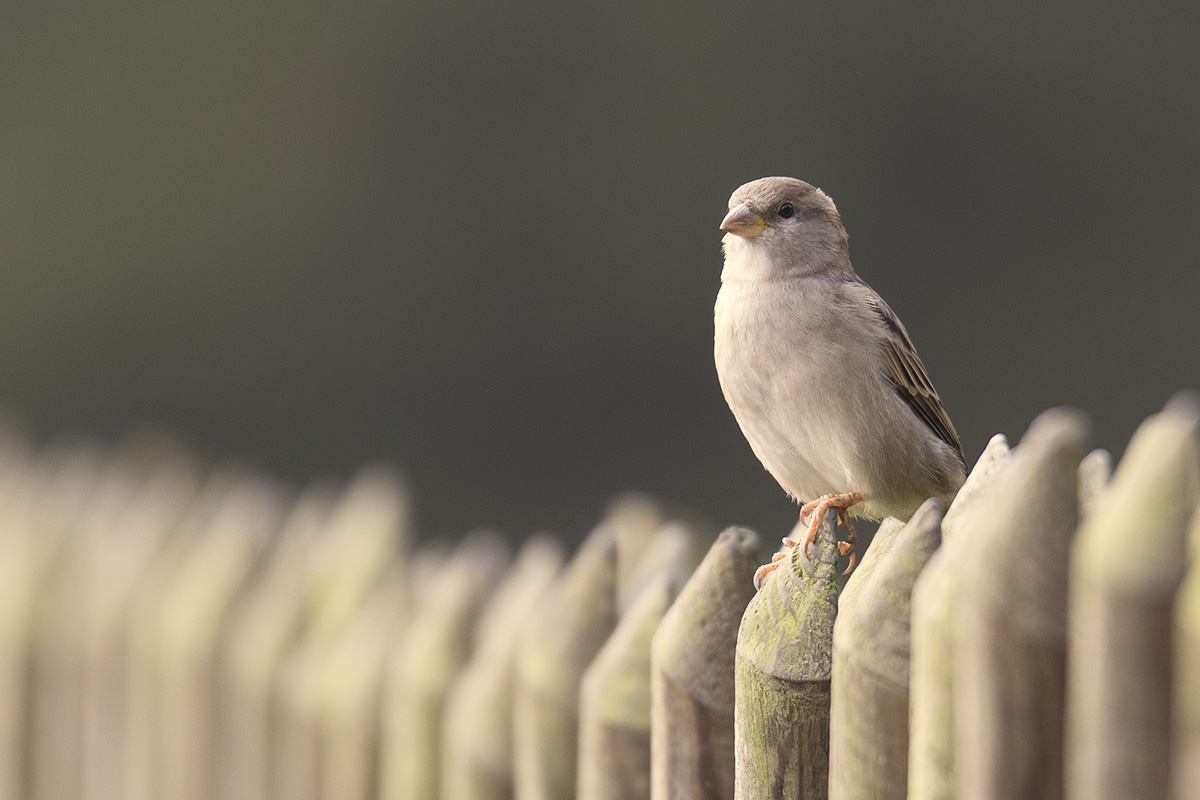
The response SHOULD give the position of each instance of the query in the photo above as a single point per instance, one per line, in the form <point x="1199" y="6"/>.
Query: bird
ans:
<point x="819" y="372"/>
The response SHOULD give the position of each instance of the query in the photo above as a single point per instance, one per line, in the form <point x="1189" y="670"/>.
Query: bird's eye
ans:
<point x="786" y="210"/>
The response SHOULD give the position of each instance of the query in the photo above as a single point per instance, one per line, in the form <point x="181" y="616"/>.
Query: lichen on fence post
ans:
<point x="569" y="627"/>
<point x="934" y="600"/>
<point x="692" y="669"/>
<point x="1012" y="620"/>
<point x="868" y="747"/>
<point x="1128" y="561"/>
<point x="784" y="659"/>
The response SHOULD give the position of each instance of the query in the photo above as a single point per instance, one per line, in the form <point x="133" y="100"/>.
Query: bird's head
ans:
<point x="784" y="227"/>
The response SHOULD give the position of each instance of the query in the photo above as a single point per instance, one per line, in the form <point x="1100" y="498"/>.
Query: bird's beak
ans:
<point x="742" y="220"/>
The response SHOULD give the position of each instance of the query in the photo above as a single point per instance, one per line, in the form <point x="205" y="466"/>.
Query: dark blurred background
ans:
<point x="480" y="239"/>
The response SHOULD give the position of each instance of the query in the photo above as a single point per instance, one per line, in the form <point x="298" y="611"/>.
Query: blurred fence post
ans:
<point x="187" y="630"/>
<point x="264" y="626"/>
<point x="353" y="677"/>
<point x="477" y="747"/>
<point x="568" y="628"/>
<point x="357" y="543"/>
<point x="1129" y="559"/>
<point x="432" y="649"/>
<point x="934" y="606"/>
<point x="40" y="515"/>
<point x="614" y="703"/>
<point x="1012" y="622"/>
<point x="166" y="484"/>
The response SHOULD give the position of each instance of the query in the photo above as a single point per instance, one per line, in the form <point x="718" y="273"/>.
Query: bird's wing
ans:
<point x="908" y="374"/>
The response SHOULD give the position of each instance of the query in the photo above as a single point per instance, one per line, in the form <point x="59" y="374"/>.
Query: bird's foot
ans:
<point x="817" y="509"/>
<point x="767" y="569"/>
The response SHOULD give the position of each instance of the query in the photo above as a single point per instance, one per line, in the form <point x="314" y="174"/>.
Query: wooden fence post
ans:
<point x="1128" y="561"/>
<point x="868" y="729"/>
<point x="428" y="655"/>
<point x="614" y="711"/>
<point x="38" y="520"/>
<point x="784" y="658"/>
<point x="352" y="677"/>
<point x="263" y="627"/>
<point x="934" y="602"/>
<point x="569" y="627"/>
<point x="1012" y="621"/>
<point x="477" y="750"/>
<point x="358" y="538"/>
<point x="693" y="674"/>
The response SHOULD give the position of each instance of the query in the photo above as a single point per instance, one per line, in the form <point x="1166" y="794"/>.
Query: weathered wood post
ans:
<point x="868" y="730"/>
<point x="784" y="658"/>
<point x="934" y="603"/>
<point x="692" y="674"/>
<point x="1012" y="622"/>
<point x="614" y="710"/>
<point x="477" y="750"/>
<point x="1129" y="559"/>
<point x="569" y="627"/>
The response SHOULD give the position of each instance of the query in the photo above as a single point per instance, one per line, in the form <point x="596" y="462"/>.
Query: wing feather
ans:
<point x="908" y="374"/>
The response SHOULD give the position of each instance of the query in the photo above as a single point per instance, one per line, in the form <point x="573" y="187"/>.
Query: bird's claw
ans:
<point x="841" y="504"/>
<point x="817" y="509"/>
<point x="767" y="569"/>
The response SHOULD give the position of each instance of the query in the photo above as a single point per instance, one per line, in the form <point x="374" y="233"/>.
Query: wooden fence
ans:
<point x="169" y="632"/>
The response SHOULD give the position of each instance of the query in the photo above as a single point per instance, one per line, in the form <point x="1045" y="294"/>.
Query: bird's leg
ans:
<point x="817" y="509"/>
<point x="767" y="569"/>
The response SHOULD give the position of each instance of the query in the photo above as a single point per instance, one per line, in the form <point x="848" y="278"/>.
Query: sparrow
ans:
<point x="820" y="374"/>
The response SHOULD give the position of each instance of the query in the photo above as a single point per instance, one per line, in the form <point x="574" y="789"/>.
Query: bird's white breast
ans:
<point x="776" y="365"/>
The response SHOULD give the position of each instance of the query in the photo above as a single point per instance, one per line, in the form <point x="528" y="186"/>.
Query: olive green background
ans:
<point x="480" y="239"/>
